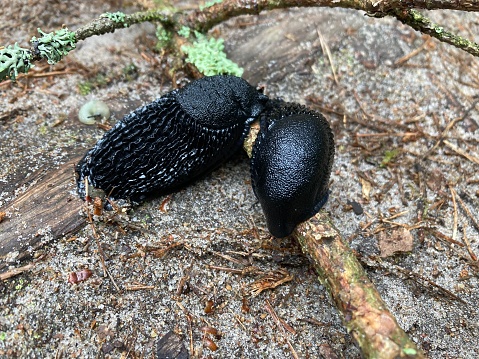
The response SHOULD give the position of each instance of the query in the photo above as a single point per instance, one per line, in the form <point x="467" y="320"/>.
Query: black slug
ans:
<point x="172" y="141"/>
<point x="291" y="164"/>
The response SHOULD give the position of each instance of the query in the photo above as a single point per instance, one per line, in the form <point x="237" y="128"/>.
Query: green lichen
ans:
<point x="184" y="31"/>
<point x="53" y="46"/>
<point x="164" y="38"/>
<point x="210" y="3"/>
<point x="208" y="55"/>
<point x="14" y="60"/>
<point x="117" y="17"/>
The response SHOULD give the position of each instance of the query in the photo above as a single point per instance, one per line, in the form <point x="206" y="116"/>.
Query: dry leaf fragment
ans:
<point x="400" y="240"/>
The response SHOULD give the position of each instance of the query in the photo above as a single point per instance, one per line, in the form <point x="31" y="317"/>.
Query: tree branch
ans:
<point x="14" y="60"/>
<point x="213" y="15"/>
<point x="421" y="23"/>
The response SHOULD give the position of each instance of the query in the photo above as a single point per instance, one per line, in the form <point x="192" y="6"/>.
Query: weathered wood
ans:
<point x="46" y="211"/>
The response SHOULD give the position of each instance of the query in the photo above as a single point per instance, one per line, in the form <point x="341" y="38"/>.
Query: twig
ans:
<point x="442" y="236"/>
<point x="138" y="286"/>
<point x="325" y="48"/>
<point x="281" y="324"/>
<point x="461" y="152"/>
<point x="468" y="212"/>
<point x="468" y="245"/>
<point x="100" y="249"/>
<point x="392" y="268"/>
<point x="190" y="329"/>
<point x="16" y="271"/>
<point x="413" y="53"/>
<point x="454" y="226"/>
<point x="421" y="23"/>
<point x="15" y="60"/>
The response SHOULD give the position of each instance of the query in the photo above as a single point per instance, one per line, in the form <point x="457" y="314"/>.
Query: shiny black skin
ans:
<point x="171" y="142"/>
<point x="291" y="164"/>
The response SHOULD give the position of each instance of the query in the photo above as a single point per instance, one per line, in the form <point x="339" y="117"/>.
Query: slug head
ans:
<point x="291" y="165"/>
<point x="221" y="101"/>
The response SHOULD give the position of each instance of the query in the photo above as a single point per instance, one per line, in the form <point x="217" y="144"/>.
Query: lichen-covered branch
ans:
<point x="203" y="20"/>
<point x="364" y="313"/>
<point x="110" y="22"/>
<point x="421" y="23"/>
<point x="53" y="46"/>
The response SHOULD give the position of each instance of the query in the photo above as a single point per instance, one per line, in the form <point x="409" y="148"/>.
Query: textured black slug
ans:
<point x="291" y="164"/>
<point x="172" y="141"/>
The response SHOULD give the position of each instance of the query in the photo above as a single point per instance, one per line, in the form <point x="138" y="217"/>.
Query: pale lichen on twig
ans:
<point x="14" y="60"/>
<point x="54" y="46"/>
<point x="421" y="23"/>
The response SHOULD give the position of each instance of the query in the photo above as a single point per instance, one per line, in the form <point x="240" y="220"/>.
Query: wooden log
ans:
<point x="46" y="211"/>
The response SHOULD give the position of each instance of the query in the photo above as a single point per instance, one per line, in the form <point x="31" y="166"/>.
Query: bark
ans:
<point x="46" y="211"/>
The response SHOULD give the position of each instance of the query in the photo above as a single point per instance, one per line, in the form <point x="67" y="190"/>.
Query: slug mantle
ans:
<point x="161" y="147"/>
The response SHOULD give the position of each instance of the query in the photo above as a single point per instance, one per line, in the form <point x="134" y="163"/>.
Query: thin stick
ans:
<point x="16" y="271"/>
<point x="468" y="212"/>
<point x="460" y="151"/>
<point x="454" y="226"/>
<point x="413" y="53"/>
<point x="325" y="48"/>
<point x="281" y="326"/>
<point x="468" y="245"/>
<point x="100" y="249"/>
<point x="450" y="125"/>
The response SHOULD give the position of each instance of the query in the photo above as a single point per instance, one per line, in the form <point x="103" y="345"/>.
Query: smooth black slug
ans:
<point x="172" y="141"/>
<point x="291" y="164"/>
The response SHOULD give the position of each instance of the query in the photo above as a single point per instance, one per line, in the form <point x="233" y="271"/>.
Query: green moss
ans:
<point x="53" y="46"/>
<point x="100" y="80"/>
<point x="389" y="156"/>
<point x="130" y="72"/>
<point x="210" y="3"/>
<point x="3" y="336"/>
<point x="208" y="55"/>
<point x="43" y="130"/>
<point x="85" y="88"/>
<point x="14" y="60"/>
<point x="164" y="38"/>
<point x="20" y="284"/>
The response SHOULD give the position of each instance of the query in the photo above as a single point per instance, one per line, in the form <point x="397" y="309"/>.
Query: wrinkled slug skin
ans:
<point x="291" y="164"/>
<point x="172" y="141"/>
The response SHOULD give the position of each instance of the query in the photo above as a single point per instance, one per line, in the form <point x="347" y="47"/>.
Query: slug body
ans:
<point x="172" y="141"/>
<point x="291" y="164"/>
